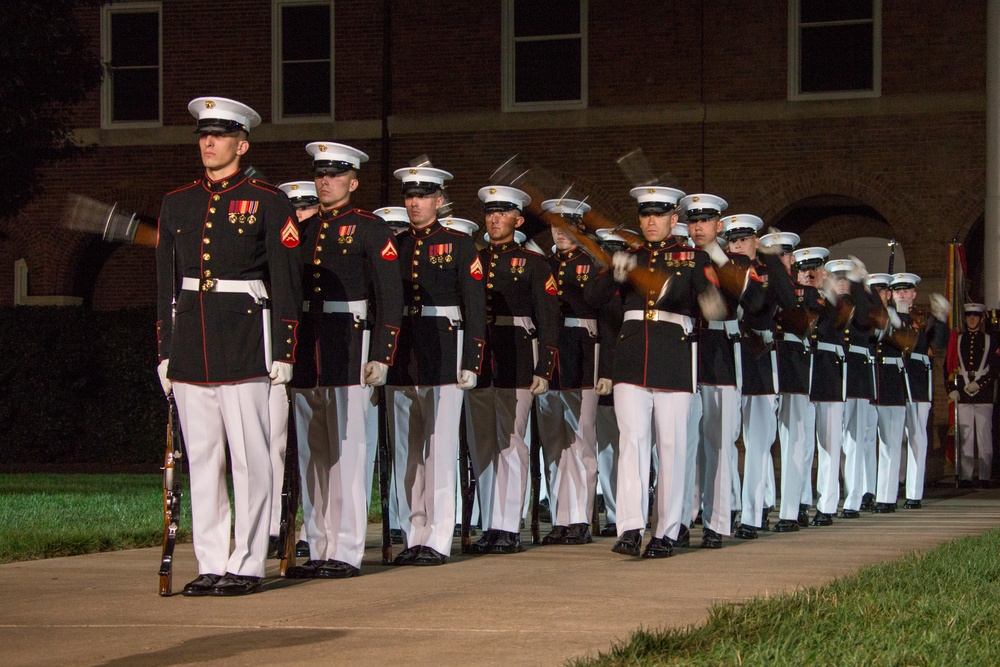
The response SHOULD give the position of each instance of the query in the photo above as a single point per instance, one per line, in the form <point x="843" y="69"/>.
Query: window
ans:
<point x="834" y="49"/>
<point x="544" y="54"/>
<point x="303" y="59"/>
<point x="130" y="48"/>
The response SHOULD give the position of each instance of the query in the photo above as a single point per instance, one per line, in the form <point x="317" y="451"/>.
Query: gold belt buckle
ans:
<point x="652" y="315"/>
<point x="207" y="284"/>
<point x="414" y="311"/>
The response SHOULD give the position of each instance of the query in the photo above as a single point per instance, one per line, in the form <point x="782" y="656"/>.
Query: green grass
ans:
<point x="51" y="515"/>
<point x="933" y="608"/>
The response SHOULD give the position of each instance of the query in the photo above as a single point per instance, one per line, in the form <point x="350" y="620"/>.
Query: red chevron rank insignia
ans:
<point x="476" y="269"/>
<point x="389" y="251"/>
<point x="550" y="286"/>
<point x="290" y="234"/>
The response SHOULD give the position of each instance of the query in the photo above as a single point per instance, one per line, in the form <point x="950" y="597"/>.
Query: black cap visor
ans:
<point x="419" y="189"/>
<point x="222" y="125"/>
<point x="656" y="208"/>
<point x="737" y="234"/>
<point x="501" y="206"/>
<point x="697" y="214"/>
<point x="332" y="167"/>
<point x="807" y="264"/>
<point x="304" y="202"/>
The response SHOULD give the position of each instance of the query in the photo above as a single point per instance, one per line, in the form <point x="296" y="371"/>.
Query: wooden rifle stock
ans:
<point x="172" y="493"/>
<point x="289" y="495"/>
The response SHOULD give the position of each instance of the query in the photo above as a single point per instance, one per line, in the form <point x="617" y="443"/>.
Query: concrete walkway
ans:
<point x="536" y="608"/>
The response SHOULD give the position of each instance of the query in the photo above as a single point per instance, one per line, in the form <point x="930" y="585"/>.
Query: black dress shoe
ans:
<point x="484" y="545"/>
<point x="965" y="484"/>
<point x="544" y="514"/>
<point x="984" y="484"/>
<point x="609" y="530"/>
<point x="850" y="514"/>
<point x="765" y="521"/>
<point x="697" y="519"/>
<point x="428" y="556"/>
<point x="507" y="543"/>
<point x="912" y="504"/>
<point x="884" y="508"/>
<point x="658" y="547"/>
<point x="579" y="533"/>
<point x="734" y="520"/>
<point x="336" y="569"/>
<point x="786" y="526"/>
<point x="803" y="517"/>
<point x="557" y="535"/>
<point x="867" y="502"/>
<point x="302" y="549"/>
<point x="232" y="585"/>
<point x="711" y="539"/>
<point x="406" y="556"/>
<point x="272" y="546"/>
<point x="628" y="543"/>
<point x="396" y="535"/>
<point x="745" y="532"/>
<point x="821" y="519"/>
<point x="308" y="570"/>
<point x="683" y="538"/>
<point x="203" y="585"/>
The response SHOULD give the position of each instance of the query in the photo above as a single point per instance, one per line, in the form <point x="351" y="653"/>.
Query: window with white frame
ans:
<point x="834" y="49"/>
<point x="131" y="40"/>
<point x="544" y="54"/>
<point x="303" y="59"/>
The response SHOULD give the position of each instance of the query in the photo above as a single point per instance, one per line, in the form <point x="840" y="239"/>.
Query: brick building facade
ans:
<point x="703" y="87"/>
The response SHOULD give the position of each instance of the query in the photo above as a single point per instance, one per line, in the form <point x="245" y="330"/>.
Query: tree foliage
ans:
<point x="47" y="64"/>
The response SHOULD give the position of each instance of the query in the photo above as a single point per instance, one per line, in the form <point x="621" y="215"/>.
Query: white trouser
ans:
<point x="975" y="426"/>
<point x="423" y="427"/>
<point x="916" y="448"/>
<point x="500" y="455"/>
<point x="769" y="489"/>
<point x="891" y="419"/>
<point x="855" y="436"/>
<point x="278" y="439"/>
<point x="332" y="428"/>
<point x="869" y="449"/>
<point x="568" y="429"/>
<point x="829" y="436"/>
<point x="810" y="455"/>
<point x="607" y="458"/>
<point x="796" y="436"/>
<point x="642" y="412"/>
<point x="720" y="426"/>
<point x="211" y="416"/>
<point x="736" y="497"/>
<point x="371" y="453"/>
<point x="692" y="492"/>
<point x="760" y="424"/>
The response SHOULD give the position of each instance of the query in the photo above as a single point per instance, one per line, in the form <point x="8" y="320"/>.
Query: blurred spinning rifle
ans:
<point x="290" y="486"/>
<point x="466" y="481"/>
<point x="384" y="472"/>
<point x="172" y="493"/>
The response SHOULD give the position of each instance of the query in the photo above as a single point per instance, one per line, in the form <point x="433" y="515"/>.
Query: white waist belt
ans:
<point x="254" y="288"/>
<point x="794" y="339"/>
<point x="921" y="357"/>
<point x="453" y="313"/>
<point x="831" y="347"/>
<point x="357" y="308"/>
<point x="893" y="361"/>
<point x="683" y="321"/>
<point x="766" y="335"/>
<point x="589" y="324"/>
<point x="731" y="327"/>
<point x="522" y="321"/>
<point x="858" y="349"/>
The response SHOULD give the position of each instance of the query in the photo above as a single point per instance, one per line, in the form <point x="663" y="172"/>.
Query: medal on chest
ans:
<point x="243" y="212"/>
<point x="440" y="253"/>
<point x="346" y="233"/>
<point x="517" y="265"/>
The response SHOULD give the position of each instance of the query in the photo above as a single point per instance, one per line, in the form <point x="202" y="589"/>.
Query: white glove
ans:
<point x="894" y="318"/>
<point x="467" y="380"/>
<point x="281" y="372"/>
<point x="859" y="273"/>
<point x="603" y="387"/>
<point x="715" y="251"/>
<point x="161" y="370"/>
<point x="539" y="385"/>
<point x="622" y="263"/>
<point x="829" y="290"/>
<point x="711" y="304"/>
<point x="972" y="388"/>
<point x="940" y="307"/>
<point x="953" y="396"/>
<point x="375" y="372"/>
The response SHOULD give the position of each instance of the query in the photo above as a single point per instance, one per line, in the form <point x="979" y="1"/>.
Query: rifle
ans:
<point x="384" y="473"/>
<point x="467" y="482"/>
<point x="536" y="472"/>
<point x="172" y="493"/>
<point x="289" y="495"/>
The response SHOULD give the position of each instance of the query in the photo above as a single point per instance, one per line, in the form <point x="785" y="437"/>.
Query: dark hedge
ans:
<point x="79" y="389"/>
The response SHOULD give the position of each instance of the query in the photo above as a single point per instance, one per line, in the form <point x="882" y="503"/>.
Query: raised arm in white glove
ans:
<point x="161" y="370"/>
<point x="539" y="385"/>
<point x="711" y="304"/>
<point x="858" y="273"/>
<point x="940" y="307"/>
<point x="375" y="373"/>
<point x="715" y="251"/>
<point x="603" y="387"/>
<point x="281" y="372"/>
<point x="622" y="263"/>
<point x="829" y="290"/>
<point x="894" y="318"/>
<point x="467" y="380"/>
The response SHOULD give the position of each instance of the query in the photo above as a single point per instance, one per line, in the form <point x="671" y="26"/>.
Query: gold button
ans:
<point x="315" y="275"/>
<point x="316" y="289"/>
<point x="288" y="356"/>
<point x="419" y="243"/>
<point x="206" y="241"/>
<point x="326" y="225"/>
<point x="416" y="253"/>
<point x="490" y="285"/>
<point x="216" y="198"/>
<point x="240" y="230"/>
<point x="319" y="248"/>
<point x="316" y="262"/>
<point x="416" y="275"/>
<point x="206" y="257"/>
<point x="211" y="210"/>
<point x="249" y="312"/>
<point x="225" y="184"/>
<point x="651" y="302"/>
<point x="289" y="326"/>
<point x="288" y="340"/>
<point x="416" y="263"/>
<point x="560" y="292"/>
<point x="560" y="282"/>
<point x="208" y="274"/>
<point x="491" y="274"/>
<point x="416" y="297"/>
<point x="208" y="225"/>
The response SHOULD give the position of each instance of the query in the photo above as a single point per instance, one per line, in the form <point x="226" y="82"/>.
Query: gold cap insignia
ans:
<point x="696" y="199"/>
<point x="386" y="211"/>
<point x="209" y="104"/>
<point x="295" y="187"/>
<point x="413" y="171"/>
<point x="322" y="148"/>
<point x="493" y="191"/>
<point x="651" y="191"/>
